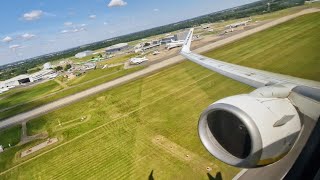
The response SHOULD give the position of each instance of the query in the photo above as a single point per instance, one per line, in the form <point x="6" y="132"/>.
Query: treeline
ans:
<point x="259" y="7"/>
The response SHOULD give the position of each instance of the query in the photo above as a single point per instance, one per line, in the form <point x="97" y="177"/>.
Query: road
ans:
<point x="26" y="116"/>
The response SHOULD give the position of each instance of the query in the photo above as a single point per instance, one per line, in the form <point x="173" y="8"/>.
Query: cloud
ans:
<point x="75" y="30"/>
<point x="28" y="36"/>
<point x="64" y="31"/>
<point x="92" y="16"/>
<point x="83" y="25"/>
<point x="68" y="23"/>
<point x="32" y="15"/>
<point x="14" y="47"/>
<point x="78" y="30"/>
<point x="156" y="10"/>
<point x="105" y="23"/>
<point x="117" y="3"/>
<point x="7" y="39"/>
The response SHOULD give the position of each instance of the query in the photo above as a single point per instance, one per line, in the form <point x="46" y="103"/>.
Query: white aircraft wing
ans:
<point x="253" y="77"/>
<point x="304" y="94"/>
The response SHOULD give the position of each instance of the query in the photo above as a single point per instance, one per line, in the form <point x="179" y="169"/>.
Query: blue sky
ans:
<point x="35" y="27"/>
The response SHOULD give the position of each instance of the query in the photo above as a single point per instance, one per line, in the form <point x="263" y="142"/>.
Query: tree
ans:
<point x="68" y="66"/>
<point x="58" y="68"/>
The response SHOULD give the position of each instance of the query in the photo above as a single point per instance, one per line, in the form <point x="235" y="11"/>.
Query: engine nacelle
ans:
<point x="247" y="131"/>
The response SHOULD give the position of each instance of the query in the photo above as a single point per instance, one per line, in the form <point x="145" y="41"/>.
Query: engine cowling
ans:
<point x="247" y="131"/>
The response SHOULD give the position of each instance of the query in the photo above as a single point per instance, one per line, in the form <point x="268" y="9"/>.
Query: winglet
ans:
<point x="187" y="42"/>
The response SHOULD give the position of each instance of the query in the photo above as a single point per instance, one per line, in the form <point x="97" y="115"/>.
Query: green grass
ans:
<point x="66" y="92"/>
<point x="290" y="48"/>
<point x="119" y="59"/>
<point x="10" y="136"/>
<point x="84" y="59"/>
<point x="116" y="141"/>
<point x="94" y="74"/>
<point x="26" y="94"/>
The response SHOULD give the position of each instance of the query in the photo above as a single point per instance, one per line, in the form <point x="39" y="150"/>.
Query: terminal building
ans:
<point x="117" y="48"/>
<point x="168" y="39"/>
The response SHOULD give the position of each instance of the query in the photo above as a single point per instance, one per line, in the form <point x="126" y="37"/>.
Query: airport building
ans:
<point x="47" y="66"/>
<point x="83" y="54"/>
<point x="168" y="39"/>
<point x="117" y="48"/>
<point x="16" y="81"/>
<point x="150" y="45"/>
<point x="44" y="74"/>
<point x="26" y="78"/>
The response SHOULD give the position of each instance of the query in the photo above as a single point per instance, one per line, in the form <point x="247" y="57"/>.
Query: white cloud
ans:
<point x="7" y="39"/>
<point x="82" y="29"/>
<point x="32" y="15"/>
<point x="156" y="10"/>
<point x="75" y="30"/>
<point x="64" y="31"/>
<point x="92" y="16"/>
<point x="105" y="23"/>
<point x="115" y="3"/>
<point x="28" y="36"/>
<point x="68" y="23"/>
<point x="83" y="25"/>
<point x="13" y="47"/>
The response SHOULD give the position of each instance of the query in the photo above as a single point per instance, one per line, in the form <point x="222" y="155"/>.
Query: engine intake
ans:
<point x="246" y="131"/>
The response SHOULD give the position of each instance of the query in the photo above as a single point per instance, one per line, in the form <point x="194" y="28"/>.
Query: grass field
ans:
<point x="91" y="79"/>
<point x="119" y="59"/>
<point x="23" y="95"/>
<point x="291" y="48"/>
<point x="118" y="139"/>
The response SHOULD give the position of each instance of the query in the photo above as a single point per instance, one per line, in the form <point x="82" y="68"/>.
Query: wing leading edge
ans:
<point x="252" y="77"/>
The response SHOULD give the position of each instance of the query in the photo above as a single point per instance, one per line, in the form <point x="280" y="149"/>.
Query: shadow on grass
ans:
<point x="218" y="176"/>
<point x="151" y="176"/>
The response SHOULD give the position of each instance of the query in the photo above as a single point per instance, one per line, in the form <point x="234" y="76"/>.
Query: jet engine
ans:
<point x="248" y="131"/>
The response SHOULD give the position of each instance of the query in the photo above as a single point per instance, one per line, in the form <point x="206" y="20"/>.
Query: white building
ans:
<point x="1" y="148"/>
<point x="83" y="54"/>
<point x="89" y="65"/>
<point x="44" y="74"/>
<point x="47" y="66"/>
<point x="26" y="78"/>
<point x="16" y="81"/>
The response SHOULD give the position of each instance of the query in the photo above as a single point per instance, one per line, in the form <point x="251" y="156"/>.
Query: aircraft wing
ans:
<point x="304" y="94"/>
<point x="253" y="77"/>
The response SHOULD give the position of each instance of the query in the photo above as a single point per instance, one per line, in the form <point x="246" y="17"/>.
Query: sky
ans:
<point x="36" y="27"/>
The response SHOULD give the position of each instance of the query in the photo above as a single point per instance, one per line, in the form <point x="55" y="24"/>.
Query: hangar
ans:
<point x="117" y="48"/>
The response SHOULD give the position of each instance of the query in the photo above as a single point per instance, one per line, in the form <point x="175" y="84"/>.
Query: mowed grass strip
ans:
<point x="18" y="96"/>
<point x="128" y="98"/>
<point x="116" y="143"/>
<point x="93" y="79"/>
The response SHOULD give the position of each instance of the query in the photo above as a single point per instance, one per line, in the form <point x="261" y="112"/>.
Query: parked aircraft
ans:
<point x="174" y="44"/>
<point x="135" y="61"/>
<point x="259" y="128"/>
